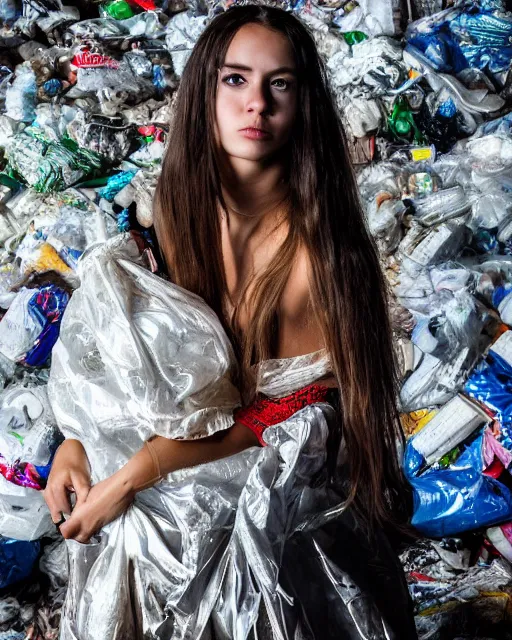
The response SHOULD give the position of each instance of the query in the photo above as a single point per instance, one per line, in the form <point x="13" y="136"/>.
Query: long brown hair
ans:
<point x="325" y="217"/>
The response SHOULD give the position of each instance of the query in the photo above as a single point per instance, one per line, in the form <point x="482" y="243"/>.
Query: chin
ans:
<point x="251" y="155"/>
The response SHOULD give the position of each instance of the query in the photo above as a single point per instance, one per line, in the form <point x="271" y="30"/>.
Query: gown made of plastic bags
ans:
<point x="251" y="546"/>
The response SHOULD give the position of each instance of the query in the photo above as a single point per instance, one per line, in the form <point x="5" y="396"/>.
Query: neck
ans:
<point x="251" y="191"/>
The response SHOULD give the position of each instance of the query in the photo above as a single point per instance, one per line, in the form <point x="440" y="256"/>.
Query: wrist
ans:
<point x="140" y="472"/>
<point x="124" y="482"/>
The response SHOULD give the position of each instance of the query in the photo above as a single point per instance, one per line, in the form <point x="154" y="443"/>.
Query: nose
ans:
<point x="259" y="99"/>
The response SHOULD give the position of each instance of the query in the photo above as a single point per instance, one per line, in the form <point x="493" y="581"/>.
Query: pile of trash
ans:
<point x="86" y="100"/>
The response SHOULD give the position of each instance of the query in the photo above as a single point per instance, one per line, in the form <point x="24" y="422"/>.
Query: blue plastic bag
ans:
<point x="17" y="559"/>
<point x="459" y="498"/>
<point x="47" y="306"/>
<point x="491" y="384"/>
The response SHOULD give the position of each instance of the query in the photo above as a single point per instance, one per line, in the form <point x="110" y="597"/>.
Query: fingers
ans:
<point x="76" y="529"/>
<point x="57" y="499"/>
<point x="81" y="486"/>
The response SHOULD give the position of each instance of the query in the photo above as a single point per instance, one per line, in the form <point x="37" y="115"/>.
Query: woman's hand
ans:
<point x="106" y="501"/>
<point x="70" y="473"/>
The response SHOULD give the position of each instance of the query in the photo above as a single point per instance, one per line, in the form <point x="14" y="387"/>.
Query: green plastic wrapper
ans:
<point x="49" y="166"/>
<point x="119" y="9"/>
<point x="401" y="123"/>
<point x="354" y="37"/>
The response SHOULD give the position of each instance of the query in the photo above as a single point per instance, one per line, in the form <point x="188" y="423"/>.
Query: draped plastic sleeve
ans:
<point x="137" y="357"/>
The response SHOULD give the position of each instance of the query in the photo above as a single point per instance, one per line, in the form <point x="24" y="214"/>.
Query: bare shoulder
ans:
<point x="299" y="329"/>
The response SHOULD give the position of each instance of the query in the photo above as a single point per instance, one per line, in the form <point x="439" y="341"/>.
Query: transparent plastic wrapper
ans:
<point x="455" y="322"/>
<point x="121" y="78"/>
<point x="434" y="382"/>
<point x="182" y="32"/>
<point x="384" y="221"/>
<point x="362" y="115"/>
<point x="491" y="208"/>
<point x="95" y="29"/>
<point x="28" y="440"/>
<point x="28" y="436"/>
<point x="108" y="136"/>
<point x="489" y="154"/>
<point x="441" y="206"/>
<point x="9" y="276"/>
<point x="49" y="166"/>
<point x="151" y="358"/>
<point x="373" y="19"/>
<point x="23" y="512"/>
<point x="145" y="25"/>
<point x="16" y="560"/>
<point x="415" y="292"/>
<point x="422" y="247"/>
<point x="18" y="328"/>
<point x="20" y="97"/>
<point x="144" y="186"/>
<point x="54" y="119"/>
<point x="149" y="155"/>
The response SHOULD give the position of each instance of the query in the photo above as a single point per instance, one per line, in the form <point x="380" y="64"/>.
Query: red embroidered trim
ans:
<point x="266" y="412"/>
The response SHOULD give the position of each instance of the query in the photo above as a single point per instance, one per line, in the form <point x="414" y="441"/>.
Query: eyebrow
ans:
<point x="243" y="67"/>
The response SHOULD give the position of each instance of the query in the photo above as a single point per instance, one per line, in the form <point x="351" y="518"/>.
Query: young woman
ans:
<point x="274" y="528"/>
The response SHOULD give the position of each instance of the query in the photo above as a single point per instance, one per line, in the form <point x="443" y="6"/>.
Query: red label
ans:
<point x="89" y="60"/>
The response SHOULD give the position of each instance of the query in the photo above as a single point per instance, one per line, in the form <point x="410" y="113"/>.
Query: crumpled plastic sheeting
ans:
<point x="135" y="366"/>
<point x="435" y="583"/>
<point x="455" y="39"/>
<point x="153" y="358"/>
<point x="28" y="440"/>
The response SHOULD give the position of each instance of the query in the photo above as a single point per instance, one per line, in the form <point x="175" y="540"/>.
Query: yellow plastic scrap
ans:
<point x="47" y="259"/>
<point x="415" y="420"/>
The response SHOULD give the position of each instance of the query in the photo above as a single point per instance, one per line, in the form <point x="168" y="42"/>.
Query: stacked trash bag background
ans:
<point x="425" y="91"/>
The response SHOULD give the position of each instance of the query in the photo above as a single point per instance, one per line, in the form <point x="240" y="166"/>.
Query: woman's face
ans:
<point x="256" y="94"/>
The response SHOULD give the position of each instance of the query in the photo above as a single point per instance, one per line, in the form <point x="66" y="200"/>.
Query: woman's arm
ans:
<point x="110" y="498"/>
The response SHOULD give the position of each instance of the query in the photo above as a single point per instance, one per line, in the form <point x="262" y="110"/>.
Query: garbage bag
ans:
<point x="17" y="557"/>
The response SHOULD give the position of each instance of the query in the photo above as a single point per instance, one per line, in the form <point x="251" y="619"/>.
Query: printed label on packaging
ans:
<point x="453" y="424"/>
<point x="426" y="250"/>
<point x="422" y="153"/>
<point x="503" y="347"/>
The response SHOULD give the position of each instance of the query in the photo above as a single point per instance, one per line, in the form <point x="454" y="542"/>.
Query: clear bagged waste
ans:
<point x="28" y="441"/>
<point x="18" y="328"/>
<point x="20" y="97"/>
